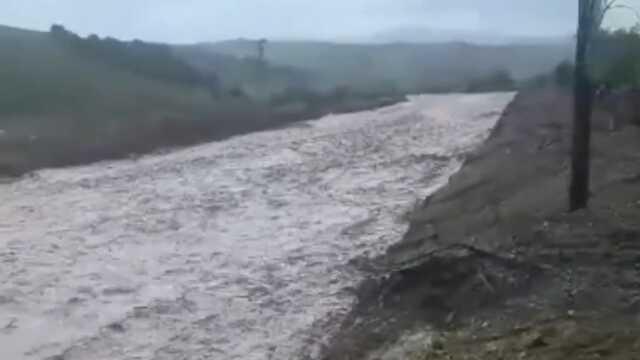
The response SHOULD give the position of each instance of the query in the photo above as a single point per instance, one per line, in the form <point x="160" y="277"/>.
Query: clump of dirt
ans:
<point x="495" y="249"/>
<point x="558" y="339"/>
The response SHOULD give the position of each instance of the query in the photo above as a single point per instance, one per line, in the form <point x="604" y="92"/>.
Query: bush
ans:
<point x="563" y="74"/>
<point x="499" y="80"/>
<point x="237" y="92"/>
<point x="616" y="58"/>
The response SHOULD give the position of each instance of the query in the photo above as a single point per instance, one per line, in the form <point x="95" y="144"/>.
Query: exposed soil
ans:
<point x="494" y="252"/>
<point x="555" y="339"/>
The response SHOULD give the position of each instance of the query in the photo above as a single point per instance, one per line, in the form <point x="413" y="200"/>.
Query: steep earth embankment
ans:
<point x="493" y="265"/>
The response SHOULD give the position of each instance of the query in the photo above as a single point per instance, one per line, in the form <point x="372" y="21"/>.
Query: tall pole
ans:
<point x="261" y="65"/>
<point x="583" y="98"/>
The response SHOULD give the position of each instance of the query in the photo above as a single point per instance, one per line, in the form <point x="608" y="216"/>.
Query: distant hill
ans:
<point x="408" y="67"/>
<point x="423" y="35"/>
<point x="248" y="74"/>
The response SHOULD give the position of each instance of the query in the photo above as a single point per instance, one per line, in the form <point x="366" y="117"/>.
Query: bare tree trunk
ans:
<point x="583" y="98"/>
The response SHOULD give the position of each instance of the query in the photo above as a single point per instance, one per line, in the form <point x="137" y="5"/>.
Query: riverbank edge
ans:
<point x="495" y="249"/>
<point x="16" y="162"/>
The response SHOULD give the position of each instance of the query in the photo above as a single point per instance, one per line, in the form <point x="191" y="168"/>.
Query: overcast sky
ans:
<point x="208" y="20"/>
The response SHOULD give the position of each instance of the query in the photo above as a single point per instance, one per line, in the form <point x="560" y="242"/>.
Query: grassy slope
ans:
<point x="59" y="108"/>
<point x="38" y="78"/>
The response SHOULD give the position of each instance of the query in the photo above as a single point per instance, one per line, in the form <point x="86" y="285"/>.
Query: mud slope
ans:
<point x="233" y="250"/>
<point x="495" y="249"/>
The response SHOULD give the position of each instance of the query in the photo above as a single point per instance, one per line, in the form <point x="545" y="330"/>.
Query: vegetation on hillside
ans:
<point x="616" y="57"/>
<point x="66" y="100"/>
<point x="247" y="75"/>
<point x="154" y="61"/>
<point x="92" y="98"/>
<point x="614" y="61"/>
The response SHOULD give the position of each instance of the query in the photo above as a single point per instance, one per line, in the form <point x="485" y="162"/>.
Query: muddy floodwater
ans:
<point x="236" y="249"/>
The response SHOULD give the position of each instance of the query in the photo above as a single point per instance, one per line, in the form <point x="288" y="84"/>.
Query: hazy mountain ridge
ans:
<point x="405" y="66"/>
<point x="423" y="35"/>
<point x="247" y="74"/>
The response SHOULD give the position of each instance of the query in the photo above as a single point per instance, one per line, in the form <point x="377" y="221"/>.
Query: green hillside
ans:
<point x="59" y="107"/>
<point x="68" y="100"/>
<point x="49" y="92"/>
<point x="40" y="77"/>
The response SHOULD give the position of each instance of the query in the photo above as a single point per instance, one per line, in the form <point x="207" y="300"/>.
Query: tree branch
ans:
<point x="613" y="5"/>
<point x="629" y="8"/>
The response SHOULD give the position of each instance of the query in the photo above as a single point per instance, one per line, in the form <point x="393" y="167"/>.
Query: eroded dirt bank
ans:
<point x="493" y="266"/>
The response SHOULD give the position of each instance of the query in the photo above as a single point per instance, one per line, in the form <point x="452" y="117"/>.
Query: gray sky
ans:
<point x="207" y="20"/>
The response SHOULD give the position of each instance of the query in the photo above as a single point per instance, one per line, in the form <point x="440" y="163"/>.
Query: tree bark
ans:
<point x="583" y="98"/>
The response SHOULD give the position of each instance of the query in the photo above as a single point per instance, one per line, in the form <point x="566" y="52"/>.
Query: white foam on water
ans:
<point x="228" y="250"/>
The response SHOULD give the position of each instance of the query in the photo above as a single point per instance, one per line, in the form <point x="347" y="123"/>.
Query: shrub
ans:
<point x="498" y="80"/>
<point x="616" y="58"/>
<point x="563" y="74"/>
